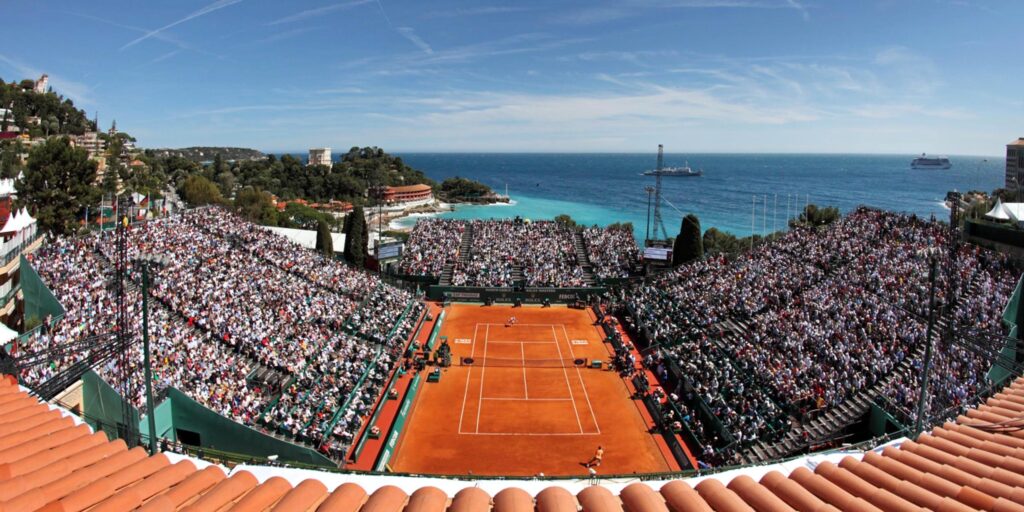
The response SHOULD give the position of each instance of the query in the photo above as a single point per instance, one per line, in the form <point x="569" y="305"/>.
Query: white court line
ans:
<point x="526" y="387"/>
<point x="567" y="386"/>
<point x="529" y="434"/>
<point x="530" y="399"/>
<point x="465" y="392"/>
<point x="580" y="375"/>
<point x="480" y="401"/>
<point x="517" y="324"/>
<point x="512" y="341"/>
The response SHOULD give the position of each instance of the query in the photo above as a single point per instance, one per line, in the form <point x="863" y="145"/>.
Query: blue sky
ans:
<point x="876" y="76"/>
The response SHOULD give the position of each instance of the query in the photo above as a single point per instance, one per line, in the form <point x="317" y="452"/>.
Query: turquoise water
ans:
<point x="606" y="188"/>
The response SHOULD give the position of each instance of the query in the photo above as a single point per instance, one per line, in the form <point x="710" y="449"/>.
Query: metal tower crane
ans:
<point x="658" y="222"/>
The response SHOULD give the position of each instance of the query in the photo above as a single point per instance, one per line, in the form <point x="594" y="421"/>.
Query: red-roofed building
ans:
<point x="408" y="194"/>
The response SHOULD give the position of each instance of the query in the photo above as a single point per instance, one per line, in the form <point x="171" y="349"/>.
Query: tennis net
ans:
<point x="522" y="363"/>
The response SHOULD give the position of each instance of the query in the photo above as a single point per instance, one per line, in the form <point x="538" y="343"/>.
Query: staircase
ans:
<point x="830" y="425"/>
<point x="260" y="375"/>
<point x="582" y="258"/>
<point x="463" y="256"/>
<point x="518" y="276"/>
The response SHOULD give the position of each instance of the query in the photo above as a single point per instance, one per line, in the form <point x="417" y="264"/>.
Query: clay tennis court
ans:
<point x="522" y="407"/>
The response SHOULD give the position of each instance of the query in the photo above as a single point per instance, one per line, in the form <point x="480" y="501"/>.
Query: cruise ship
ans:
<point x="675" y="171"/>
<point x="930" y="162"/>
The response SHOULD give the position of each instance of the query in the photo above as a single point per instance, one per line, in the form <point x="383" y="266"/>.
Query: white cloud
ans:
<point x="80" y="93"/>
<point x="319" y="11"/>
<point x="410" y="34"/>
<point x="215" y="6"/>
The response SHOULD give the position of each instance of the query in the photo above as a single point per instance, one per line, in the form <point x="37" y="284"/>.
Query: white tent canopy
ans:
<point x="7" y="334"/>
<point x="1013" y="212"/>
<point x="997" y="211"/>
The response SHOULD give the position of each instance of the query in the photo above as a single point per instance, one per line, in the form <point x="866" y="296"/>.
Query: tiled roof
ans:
<point x="419" y="187"/>
<point x="50" y="462"/>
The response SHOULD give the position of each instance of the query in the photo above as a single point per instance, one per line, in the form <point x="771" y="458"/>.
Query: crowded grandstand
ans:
<point x="234" y="300"/>
<point x="742" y="350"/>
<point x="518" y="252"/>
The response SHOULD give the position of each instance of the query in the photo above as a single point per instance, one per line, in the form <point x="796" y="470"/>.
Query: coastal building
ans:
<point x="418" y="193"/>
<point x="91" y="142"/>
<point x="320" y="156"/>
<point x="1014" y="164"/>
<point x="42" y="85"/>
<point x="336" y="208"/>
<point x="18" y="235"/>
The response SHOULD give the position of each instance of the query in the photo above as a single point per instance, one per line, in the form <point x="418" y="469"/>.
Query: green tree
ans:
<point x="565" y="220"/>
<point x="688" y="245"/>
<point x="356" y="237"/>
<point x="814" y="216"/>
<point x="457" y="188"/>
<point x="58" y="185"/>
<point x="324" y="243"/>
<point x="256" y="206"/>
<point x="10" y="159"/>
<point x="197" y="190"/>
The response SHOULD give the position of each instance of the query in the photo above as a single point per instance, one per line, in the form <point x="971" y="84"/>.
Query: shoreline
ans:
<point x="394" y="221"/>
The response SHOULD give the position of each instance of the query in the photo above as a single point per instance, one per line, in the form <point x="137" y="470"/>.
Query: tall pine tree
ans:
<point x="356" y="237"/>
<point x="324" y="243"/>
<point x="688" y="245"/>
<point x="58" y="185"/>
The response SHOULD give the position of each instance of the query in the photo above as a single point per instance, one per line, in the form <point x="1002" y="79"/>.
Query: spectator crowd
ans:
<point x="511" y="252"/>
<point x="233" y="298"/>
<point x="802" y="323"/>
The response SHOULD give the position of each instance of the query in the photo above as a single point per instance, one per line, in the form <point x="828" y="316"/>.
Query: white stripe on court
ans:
<point x="567" y="385"/>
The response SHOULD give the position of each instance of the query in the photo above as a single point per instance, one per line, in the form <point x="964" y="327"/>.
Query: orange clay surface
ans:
<point x="525" y="420"/>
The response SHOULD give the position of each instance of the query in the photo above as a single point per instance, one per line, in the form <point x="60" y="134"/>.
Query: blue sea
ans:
<point x="600" y="189"/>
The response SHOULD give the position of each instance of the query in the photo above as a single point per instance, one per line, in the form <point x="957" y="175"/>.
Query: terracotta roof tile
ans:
<point x="49" y="463"/>
<point x="227" y="491"/>
<point x="187" y="491"/>
<point x="470" y="499"/>
<point x="349" y="497"/>
<point x="263" y="496"/>
<point x="680" y="496"/>
<point x="386" y="499"/>
<point x="427" y="499"/>
<point x="513" y="499"/>
<point x="306" y="496"/>
<point x="598" y="499"/>
<point x="135" y="495"/>
<point x="556" y="499"/>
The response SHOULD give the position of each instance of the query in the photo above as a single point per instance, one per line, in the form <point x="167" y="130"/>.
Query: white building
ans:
<point x="43" y="84"/>
<point x="320" y="156"/>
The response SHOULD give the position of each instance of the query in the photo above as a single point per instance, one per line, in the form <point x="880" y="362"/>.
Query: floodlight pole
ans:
<point x="650" y="190"/>
<point x="147" y="367"/>
<point x="922" y="400"/>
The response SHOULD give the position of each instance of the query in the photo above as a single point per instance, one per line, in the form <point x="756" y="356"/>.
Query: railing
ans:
<point x="13" y="248"/>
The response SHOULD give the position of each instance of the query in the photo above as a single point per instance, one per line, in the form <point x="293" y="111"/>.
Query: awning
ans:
<point x="997" y="211"/>
<point x="7" y="334"/>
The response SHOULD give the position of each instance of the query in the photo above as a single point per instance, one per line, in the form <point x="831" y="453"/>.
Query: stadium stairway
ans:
<point x="829" y="426"/>
<point x="260" y="374"/>
<point x="449" y="268"/>
<point x="582" y="258"/>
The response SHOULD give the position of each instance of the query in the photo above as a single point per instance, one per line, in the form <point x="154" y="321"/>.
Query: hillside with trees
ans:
<point x="56" y="114"/>
<point x="287" y="177"/>
<point x="207" y="153"/>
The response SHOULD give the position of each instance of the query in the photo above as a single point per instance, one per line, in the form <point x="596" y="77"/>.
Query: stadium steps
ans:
<point x="582" y="257"/>
<point x="261" y="374"/>
<point x="518" y="276"/>
<point x="449" y="268"/>
<point x="829" y="426"/>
